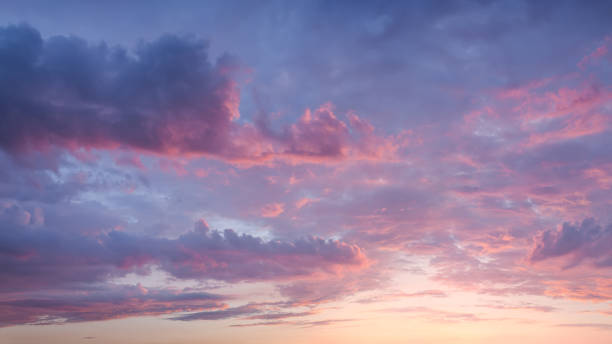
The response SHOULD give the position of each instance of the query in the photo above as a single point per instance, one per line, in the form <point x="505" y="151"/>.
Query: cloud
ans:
<point x="304" y="324"/>
<point x="241" y="311"/>
<point x="522" y="306"/>
<point x="55" y="276"/>
<point x="600" y="326"/>
<point x="399" y="295"/>
<point x="101" y="302"/>
<point x="283" y="315"/>
<point x="272" y="209"/>
<point x="165" y="97"/>
<point x="220" y="314"/>
<point x="436" y="315"/>
<point x="319" y="135"/>
<point x="597" y="54"/>
<point x="587" y="240"/>
<point x="48" y="257"/>
<point x="313" y="292"/>
<point x="302" y="202"/>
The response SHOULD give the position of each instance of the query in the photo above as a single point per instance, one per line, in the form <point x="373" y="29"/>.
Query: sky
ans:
<point x="305" y="171"/>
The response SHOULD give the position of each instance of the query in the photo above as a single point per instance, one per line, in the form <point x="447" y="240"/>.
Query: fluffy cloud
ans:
<point x="165" y="97"/>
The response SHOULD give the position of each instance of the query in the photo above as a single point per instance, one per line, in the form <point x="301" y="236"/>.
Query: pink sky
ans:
<point x="327" y="172"/>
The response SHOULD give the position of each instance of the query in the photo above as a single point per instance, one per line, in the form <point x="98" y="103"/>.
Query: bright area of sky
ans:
<point x="305" y="172"/>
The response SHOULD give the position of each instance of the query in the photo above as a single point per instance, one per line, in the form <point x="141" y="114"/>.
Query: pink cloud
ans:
<point x="272" y="210"/>
<point x="166" y="98"/>
<point x="302" y="202"/>
<point x="597" y="54"/>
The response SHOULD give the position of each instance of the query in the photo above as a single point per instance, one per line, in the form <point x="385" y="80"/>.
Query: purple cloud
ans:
<point x="219" y="314"/>
<point x="47" y="257"/>
<point x="587" y="240"/>
<point x="100" y="302"/>
<point x="164" y="97"/>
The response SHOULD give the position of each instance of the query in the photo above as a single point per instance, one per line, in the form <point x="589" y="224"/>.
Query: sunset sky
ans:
<point x="278" y="172"/>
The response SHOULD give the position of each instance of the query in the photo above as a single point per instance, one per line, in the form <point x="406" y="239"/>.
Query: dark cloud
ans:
<point x="283" y="315"/>
<point x="166" y="96"/>
<point x="51" y="275"/>
<point x="301" y="323"/>
<point x="101" y="303"/>
<point x="587" y="240"/>
<point x="40" y="257"/>
<point x="220" y="314"/>
<point x="260" y="311"/>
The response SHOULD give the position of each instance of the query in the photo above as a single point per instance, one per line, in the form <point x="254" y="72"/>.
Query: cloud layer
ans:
<point x="375" y="157"/>
<point x="39" y="258"/>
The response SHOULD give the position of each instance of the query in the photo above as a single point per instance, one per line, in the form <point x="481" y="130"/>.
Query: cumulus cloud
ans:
<point x="165" y="97"/>
<point x="317" y="134"/>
